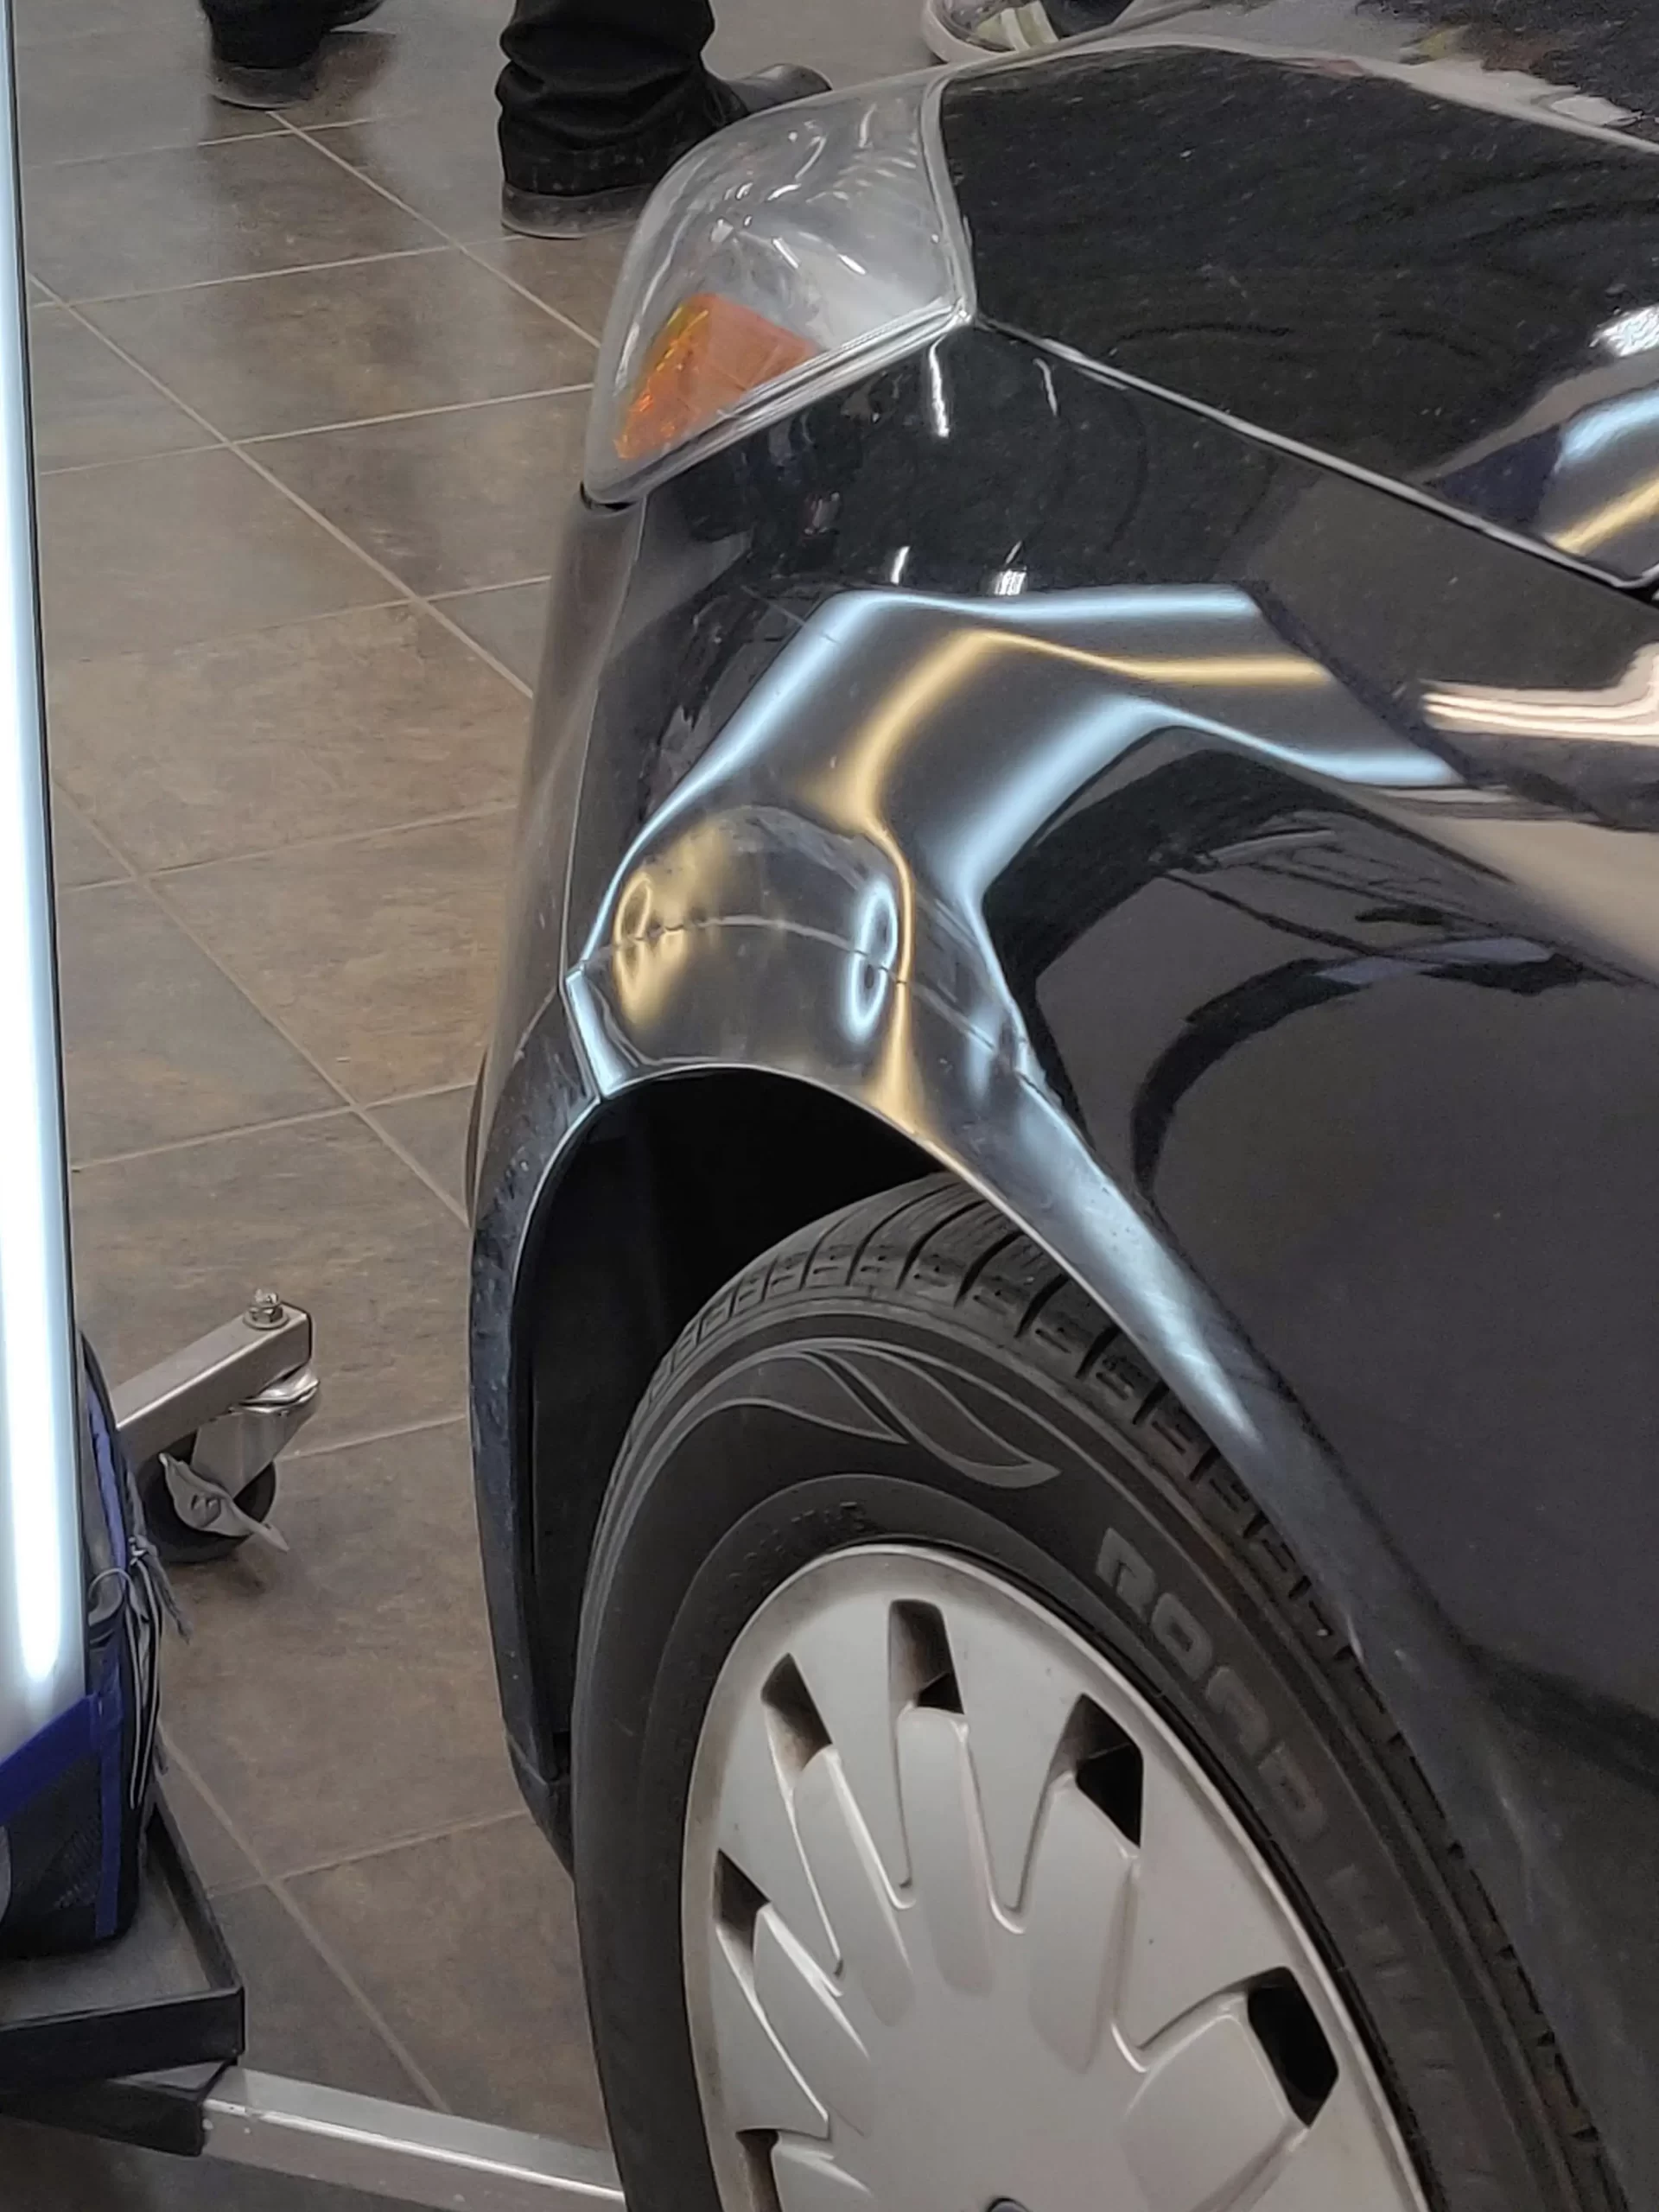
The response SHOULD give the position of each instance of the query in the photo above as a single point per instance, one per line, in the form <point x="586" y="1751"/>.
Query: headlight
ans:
<point x="793" y="252"/>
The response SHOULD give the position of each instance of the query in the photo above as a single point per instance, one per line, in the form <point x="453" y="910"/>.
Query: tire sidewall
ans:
<point x="791" y="1433"/>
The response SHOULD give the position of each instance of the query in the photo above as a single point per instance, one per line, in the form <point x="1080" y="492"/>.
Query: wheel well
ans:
<point x="674" y="1187"/>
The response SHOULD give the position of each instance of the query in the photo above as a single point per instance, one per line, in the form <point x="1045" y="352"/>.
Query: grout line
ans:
<point x="210" y="1137"/>
<point x="413" y="1842"/>
<point x="405" y="592"/>
<point x="56" y="795"/>
<point x="414" y="1097"/>
<point x="442" y="245"/>
<point x="245" y="1887"/>
<point x="180" y="1758"/>
<point x="342" y="1973"/>
<point x="325" y="1951"/>
<point x="217" y="638"/>
<point x="474" y="250"/>
<point x="395" y="1145"/>
<point x="483" y="591"/>
<point x="57" y="660"/>
<point x="40" y="167"/>
<point x="324" y="839"/>
<point x="78" y="308"/>
<point x="312" y="138"/>
<point x="153" y="886"/>
<point x="390" y="575"/>
<point x="115" y="461"/>
<point x="405" y="415"/>
<point x="402" y="591"/>
<point x="320" y="1451"/>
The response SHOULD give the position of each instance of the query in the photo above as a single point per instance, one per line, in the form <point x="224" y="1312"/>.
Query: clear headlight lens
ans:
<point x="795" y="252"/>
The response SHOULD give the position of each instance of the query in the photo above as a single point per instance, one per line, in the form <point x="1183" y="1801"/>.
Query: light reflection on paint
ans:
<point x="1635" y="333"/>
<point x="871" y="962"/>
<point x="1605" y="523"/>
<point x="1600" y="427"/>
<point x="938" y="407"/>
<point x="879" y="833"/>
<point x="1623" y="713"/>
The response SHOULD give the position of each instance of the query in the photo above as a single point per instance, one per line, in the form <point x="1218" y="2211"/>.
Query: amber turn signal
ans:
<point x="707" y="357"/>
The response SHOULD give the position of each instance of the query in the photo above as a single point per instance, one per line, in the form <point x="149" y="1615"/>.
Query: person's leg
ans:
<point x="265" y="51"/>
<point x="601" y="98"/>
<point x="606" y="77"/>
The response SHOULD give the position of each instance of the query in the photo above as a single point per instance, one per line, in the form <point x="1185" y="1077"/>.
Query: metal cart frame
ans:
<point x="140" y="2042"/>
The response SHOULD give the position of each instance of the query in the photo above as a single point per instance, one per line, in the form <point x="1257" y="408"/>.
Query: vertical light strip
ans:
<point x="42" y="1662"/>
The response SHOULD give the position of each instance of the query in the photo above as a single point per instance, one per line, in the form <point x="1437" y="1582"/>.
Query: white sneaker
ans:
<point x="977" y="30"/>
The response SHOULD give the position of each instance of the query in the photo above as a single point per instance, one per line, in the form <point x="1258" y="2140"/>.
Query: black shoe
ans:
<point x="267" y="56"/>
<point x="553" y="211"/>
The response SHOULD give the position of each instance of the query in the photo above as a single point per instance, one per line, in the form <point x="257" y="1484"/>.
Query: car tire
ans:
<point x="912" y="1397"/>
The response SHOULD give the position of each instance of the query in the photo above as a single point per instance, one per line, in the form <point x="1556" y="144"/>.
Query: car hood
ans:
<point x="1418" y="239"/>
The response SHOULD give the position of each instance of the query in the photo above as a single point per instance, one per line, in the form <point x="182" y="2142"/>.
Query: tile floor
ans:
<point x="305" y="420"/>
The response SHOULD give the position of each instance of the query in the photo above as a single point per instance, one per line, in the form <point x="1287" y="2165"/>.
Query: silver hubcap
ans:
<point x="965" y="1927"/>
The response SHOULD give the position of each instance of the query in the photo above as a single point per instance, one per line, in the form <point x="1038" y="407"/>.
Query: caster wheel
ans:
<point x="176" y="1541"/>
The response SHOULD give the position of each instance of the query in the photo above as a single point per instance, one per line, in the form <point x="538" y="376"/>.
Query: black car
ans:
<point x="1067" y="1189"/>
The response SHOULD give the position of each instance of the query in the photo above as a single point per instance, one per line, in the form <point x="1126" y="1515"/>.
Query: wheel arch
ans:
<point x="669" y="1189"/>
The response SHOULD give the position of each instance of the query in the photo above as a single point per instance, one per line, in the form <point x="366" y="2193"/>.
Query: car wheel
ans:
<point x="975" y="1812"/>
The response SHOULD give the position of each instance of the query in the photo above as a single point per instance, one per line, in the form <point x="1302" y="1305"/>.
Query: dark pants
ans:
<point x="600" y="92"/>
<point x="595" y="91"/>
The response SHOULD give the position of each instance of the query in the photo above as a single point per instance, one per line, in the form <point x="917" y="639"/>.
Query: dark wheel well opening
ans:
<point x="678" y="1184"/>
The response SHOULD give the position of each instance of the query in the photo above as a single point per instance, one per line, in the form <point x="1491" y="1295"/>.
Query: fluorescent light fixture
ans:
<point x="41" y="1632"/>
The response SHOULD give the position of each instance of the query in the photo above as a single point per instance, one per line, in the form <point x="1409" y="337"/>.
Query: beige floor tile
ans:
<point x="49" y="22"/>
<point x="377" y="954"/>
<point x="445" y="166"/>
<point x="433" y="1130"/>
<point x="303" y="2023"/>
<point x="576" y="276"/>
<point x="169" y="1246"/>
<point x="508" y="621"/>
<point x="80" y="856"/>
<point x="339" y="345"/>
<point x="217" y="1856"/>
<point x="90" y="405"/>
<point x="340" y="1697"/>
<point x="158" y="1045"/>
<point x="143" y="222"/>
<point x="415" y="57"/>
<point x="167" y="552"/>
<point x="467" y="1946"/>
<point x="850" y="42"/>
<point x="125" y="91"/>
<point x="448" y="502"/>
<point x="352" y="723"/>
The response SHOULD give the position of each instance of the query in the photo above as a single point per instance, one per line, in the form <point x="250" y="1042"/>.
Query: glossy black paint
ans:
<point x="1595" y="64"/>
<point x="1244" y="873"/>
<point x="1449" y="295"/>
<point x="1316" y="1026"/>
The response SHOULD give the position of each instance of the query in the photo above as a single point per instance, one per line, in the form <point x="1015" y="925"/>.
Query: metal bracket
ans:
<point x="240" y="1392"/>
<point x="397" y="2150"/>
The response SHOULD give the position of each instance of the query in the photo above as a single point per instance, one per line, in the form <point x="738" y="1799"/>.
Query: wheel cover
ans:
<point x="966" y="1927"/>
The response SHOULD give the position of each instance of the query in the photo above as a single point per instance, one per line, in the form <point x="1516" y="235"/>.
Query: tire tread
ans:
<point x="939" y="1242"/>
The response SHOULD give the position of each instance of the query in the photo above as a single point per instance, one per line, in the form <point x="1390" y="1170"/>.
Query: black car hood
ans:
<point x="1443" y="272"/>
